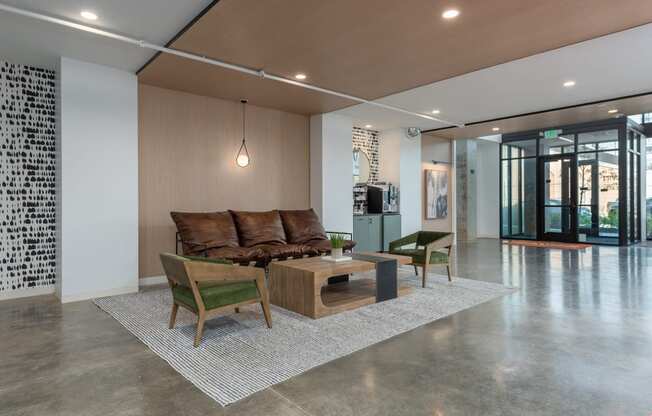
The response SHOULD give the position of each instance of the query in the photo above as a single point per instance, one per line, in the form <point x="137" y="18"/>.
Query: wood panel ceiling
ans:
<point x="372" y="48"/>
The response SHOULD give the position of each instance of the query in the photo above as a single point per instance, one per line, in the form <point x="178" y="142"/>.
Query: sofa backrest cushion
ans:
<point x="259" y="227"/>
<point x="302" y="226"/>
<point x="205" y="230"/>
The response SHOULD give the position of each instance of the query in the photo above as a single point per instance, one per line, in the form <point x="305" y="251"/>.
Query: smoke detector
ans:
<point x="413" y="132"/>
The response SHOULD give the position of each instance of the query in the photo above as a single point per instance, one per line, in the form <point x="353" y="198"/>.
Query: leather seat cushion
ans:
<point x="324" y="246"/>
<point x="207" y="229"/>
<point x="237" y="254"/>
<point x="256" y="228"/>
<point x="302" y="226"/>
<point x="283" y="251"/>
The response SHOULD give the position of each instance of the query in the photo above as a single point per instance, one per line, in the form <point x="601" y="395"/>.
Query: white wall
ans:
<point x="488" y="200"/>
<point x="400" y="163"/>
<point x="331" y="170"/>
<point x="99" y="181"/>
<point x="440" y="150"/>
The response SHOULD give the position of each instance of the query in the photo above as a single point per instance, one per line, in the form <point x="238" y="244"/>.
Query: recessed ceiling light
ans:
<point x="88" y="15"/>
<point x="436" y="111"/>
<point x="496" y="129"/>
<point x="300" y="77"/>
<point x="613" y="111"/>
<point x="569" y="84"/>
<point x="368" y="126"/>
<point x="450" y="14"/>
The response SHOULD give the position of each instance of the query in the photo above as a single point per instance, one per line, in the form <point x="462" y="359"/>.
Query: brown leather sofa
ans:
<point x="244" y="237"/>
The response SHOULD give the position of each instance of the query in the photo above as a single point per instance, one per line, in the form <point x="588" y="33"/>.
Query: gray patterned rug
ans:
<point x="240" y="356"/>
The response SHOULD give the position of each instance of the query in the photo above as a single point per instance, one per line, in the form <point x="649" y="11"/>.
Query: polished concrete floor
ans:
<point x="575" y="340"/>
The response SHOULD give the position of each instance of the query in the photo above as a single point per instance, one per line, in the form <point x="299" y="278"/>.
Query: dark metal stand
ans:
<point x="386" y="276"/>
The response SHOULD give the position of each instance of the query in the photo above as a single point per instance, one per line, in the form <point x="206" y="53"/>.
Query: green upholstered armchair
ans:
<point x="210" y="286"/>
<point x="422" y="245"/>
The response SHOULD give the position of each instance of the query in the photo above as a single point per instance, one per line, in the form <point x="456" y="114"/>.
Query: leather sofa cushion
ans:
<point x="302" y="225"/>
<point x="324" y="246"/>
<point x="283" y="251"/>
<point x="237" y="254"/>
<point x="208" y="229"/>
<point x="259" y="227"/>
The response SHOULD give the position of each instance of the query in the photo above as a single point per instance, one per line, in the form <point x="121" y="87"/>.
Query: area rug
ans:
<point x="239" y="355"/>
<point x="548" y="244"/>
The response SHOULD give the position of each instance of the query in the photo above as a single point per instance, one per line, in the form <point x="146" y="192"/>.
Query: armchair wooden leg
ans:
<point x="415" y="270"/>
<point x="200" y="329"/>
<point x="173" y="315"/>
<point x="237" y="310"/>
<point x="268" y="315"/>
<point x="425" y="274"/>
<point x="448" y="269"/>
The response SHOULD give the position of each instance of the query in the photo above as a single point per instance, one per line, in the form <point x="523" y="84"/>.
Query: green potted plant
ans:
<point x="337" y="245"/>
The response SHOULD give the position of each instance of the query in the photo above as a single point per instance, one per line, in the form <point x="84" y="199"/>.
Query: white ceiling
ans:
<point x="612" y="66"/>
<point x="31" y="42"/>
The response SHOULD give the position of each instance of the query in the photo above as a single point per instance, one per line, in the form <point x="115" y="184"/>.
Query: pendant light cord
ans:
<point x="244" y="117"/>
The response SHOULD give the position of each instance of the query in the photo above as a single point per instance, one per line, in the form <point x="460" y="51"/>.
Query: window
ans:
<point x="518" y="205"/>
<point x="558" y="145"/>
<point x="597" y="140"/>
<point x="598" y="185"/>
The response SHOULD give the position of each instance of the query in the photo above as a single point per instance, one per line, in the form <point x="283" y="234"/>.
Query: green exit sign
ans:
<point x="552" y="134"/>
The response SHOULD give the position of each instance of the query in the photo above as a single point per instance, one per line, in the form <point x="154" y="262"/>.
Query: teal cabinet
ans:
<point x="374" y="232"/>
<point x="367" y="232"/>
<point x="391" y="229"/>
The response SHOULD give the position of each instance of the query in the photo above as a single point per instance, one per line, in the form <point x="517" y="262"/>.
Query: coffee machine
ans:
<point x="382" y="198"/>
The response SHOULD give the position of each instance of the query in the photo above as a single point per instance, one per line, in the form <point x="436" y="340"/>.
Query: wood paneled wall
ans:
<point x="187" y="150"/>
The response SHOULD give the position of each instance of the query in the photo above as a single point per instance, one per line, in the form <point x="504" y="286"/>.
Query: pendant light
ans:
<point x="242" y="159"/>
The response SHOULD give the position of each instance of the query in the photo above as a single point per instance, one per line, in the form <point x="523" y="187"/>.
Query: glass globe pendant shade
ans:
<point x="243" y="156"/>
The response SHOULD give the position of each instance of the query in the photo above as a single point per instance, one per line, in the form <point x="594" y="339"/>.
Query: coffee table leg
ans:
<point x="386" y="280"/>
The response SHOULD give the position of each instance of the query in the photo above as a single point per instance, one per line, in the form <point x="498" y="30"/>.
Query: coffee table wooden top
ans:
<point x="323" y="268"/>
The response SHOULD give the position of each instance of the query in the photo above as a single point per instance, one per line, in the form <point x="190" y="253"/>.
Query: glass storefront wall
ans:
<point x="567" y="186"/>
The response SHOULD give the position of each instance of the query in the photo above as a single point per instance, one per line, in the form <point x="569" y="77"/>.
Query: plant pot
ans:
<point x="336" y="253"/>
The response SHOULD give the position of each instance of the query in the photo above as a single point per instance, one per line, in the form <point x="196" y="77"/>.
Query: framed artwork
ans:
<point x="436" y="194"/>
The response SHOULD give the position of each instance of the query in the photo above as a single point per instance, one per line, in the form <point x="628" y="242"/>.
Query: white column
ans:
<point x="331" y="170"/>
<point x="98" y="164"/>
<point x="400" y="164"/>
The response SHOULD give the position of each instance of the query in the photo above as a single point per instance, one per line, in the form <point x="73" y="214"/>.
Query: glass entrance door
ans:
<point x="557" y="198"/>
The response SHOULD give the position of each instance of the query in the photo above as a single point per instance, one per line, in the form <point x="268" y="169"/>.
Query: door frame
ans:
<point x="594" y="230"/>
<point x="572" y="235"/>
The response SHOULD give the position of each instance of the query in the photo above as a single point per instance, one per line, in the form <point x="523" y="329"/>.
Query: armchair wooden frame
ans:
<point x="191" y="273"/>
<point x="444" y="243"/>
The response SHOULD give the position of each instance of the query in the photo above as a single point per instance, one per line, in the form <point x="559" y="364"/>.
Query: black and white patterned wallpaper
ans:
<point x="27" y="177"/>
<point x="367" y="141"/>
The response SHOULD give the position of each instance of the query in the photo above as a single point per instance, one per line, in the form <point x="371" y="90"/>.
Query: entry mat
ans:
<point x="549" y="244"/>
<point x="240" y="356"/>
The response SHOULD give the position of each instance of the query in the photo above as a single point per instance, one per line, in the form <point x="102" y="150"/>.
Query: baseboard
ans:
<point x="152" y="281"/>
<point x="99" y="294"/>
<point x="27" y="292"/>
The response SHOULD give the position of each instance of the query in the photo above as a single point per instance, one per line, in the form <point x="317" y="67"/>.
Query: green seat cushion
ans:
<point x="418" y="255"/>
<point x="216" y="294"/>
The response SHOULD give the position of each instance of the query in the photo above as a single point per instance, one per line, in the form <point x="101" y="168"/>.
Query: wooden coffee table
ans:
<point x="301" y="285"/>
